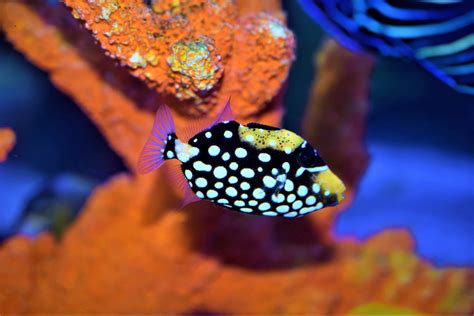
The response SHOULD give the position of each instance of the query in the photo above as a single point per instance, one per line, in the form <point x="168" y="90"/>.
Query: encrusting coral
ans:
<point x="7" y="141"/>
<point x="131" y="249"/>
<point x="196" y="50"/>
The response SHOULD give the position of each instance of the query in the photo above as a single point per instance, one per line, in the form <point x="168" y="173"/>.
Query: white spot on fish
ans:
<point x="288" y="150"/>
<point x="264" y="206"/>
<point x="219" y="185"/>
<point x="194" y="151"/>
<point x="290" y="214"/>
<point x="200" y="195"/>
<point x="211" y="194"/>
<point x="214" y="150"/>
<point x="270" y="213"/>
<point x="234" y="166"/>
<point x="310" y="200"/>
<point x="223" y="201"/>
<point x="201" y="182"/>
<point x="278" y="198"/>
<point x="302" y="190"/>
<point x="239" y="203"/>
<point x="300" y="171"/>
<point x="188" y="174"/>
<point x="240" y="152"/>
<point x="286" y="167"/>
<point x="274" y="171"/>
<point x="244" y="196"/>
<point x="233" y="180"/>
<point x="170" y="154"/>
<point x="220" y="172"/>
<point x="258" y="193"/>
<point x="200" y="166"/>
<point x="283" y="208"/>
<point x="316" y="188"/>
<point x="208" y="134"/>
<point x="260" y="169"/>
<point x="291" y="198"/>
<point x="327" y="193"/>
<point x="183" y="157"/>
<point x="245" y="186"/>
<point x="227" y="134"/>
<point x="246" y="210"/>
<point x="289" y="186"/>
<point x="253" y="202"/>
<point x="249" y="138"/>
<point x="231" y="191"/>
<point x="247" y="173"/>
<point x="269" y="181"/>
<point x="318" y="169"/>
<point x="272" y="142"/>
<point x="226" y="156"/>
<point x="297" y="205"/>
<point x="263" y="157"/>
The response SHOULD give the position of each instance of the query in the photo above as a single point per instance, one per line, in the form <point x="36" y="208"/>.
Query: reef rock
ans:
<point x="7" y="141"/>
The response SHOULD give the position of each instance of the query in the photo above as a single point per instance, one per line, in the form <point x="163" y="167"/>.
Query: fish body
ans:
<point x="255" y="169"/>
<point x="438" y="34"/>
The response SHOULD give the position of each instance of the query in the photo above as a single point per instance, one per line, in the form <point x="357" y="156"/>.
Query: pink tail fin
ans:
<point x="152" y="156"/>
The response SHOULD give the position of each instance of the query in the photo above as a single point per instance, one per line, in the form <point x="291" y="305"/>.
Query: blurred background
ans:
<point x="420" y="136"/>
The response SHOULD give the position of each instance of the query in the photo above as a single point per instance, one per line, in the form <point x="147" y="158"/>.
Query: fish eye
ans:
<point x="308" y="157"/>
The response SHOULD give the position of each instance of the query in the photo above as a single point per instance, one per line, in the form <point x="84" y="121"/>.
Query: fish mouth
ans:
<point x="332" y="187"/>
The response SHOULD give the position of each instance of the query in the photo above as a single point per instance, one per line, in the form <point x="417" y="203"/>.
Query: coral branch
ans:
<point x="119" y="258"/>
<point x="7" y="141"/>
<point x="337" y="110"/>
<point x="184" y="48"/>
<point x="335" y="117"/>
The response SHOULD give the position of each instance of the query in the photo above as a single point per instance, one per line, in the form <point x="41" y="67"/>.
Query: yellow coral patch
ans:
<point x="331" y="183"/>
<point x="280" y="139"/>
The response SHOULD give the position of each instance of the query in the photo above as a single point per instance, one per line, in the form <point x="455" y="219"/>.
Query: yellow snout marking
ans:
<point x="330" y="182"/>
<point x="280" y="139"/>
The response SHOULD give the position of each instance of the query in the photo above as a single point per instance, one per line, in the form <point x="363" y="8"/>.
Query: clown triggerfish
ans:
<point x="253" y="168"/>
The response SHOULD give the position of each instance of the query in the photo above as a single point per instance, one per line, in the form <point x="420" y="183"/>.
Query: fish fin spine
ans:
<point x="160" y="144"/>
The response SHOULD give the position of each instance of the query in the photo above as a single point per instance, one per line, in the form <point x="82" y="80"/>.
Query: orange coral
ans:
<point x="7" y="141"/>
<point x="125" y="256"/>
<point x="337" y="109"/>
<point x="184" y="48"/>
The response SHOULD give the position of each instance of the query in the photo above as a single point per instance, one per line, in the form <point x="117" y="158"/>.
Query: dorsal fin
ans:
<point x="196" y="126"/>
<point x="225" y="115"/>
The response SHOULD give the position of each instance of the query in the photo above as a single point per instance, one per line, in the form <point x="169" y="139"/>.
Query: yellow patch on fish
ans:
<point x="280" y="139"/>
<point x="329" y="182"/>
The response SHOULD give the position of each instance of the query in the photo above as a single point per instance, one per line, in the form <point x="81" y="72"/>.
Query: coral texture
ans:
<point x="132" y="250"/>
<point x="196" y="50"/>
<point x="7" y="141"/>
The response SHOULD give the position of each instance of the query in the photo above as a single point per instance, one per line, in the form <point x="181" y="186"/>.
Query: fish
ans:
<point x="252" y="169"/>
<point x="438" y="34"/>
